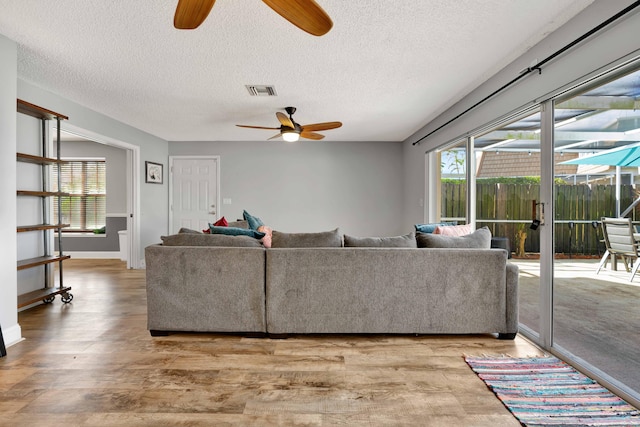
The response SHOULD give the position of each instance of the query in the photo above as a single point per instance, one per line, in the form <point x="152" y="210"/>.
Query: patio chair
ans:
<point x="620" y="241"/>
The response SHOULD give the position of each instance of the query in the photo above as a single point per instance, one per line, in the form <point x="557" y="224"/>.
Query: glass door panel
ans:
<point x="595" y="310"/>
<point x="453" y="190"/>
<point x="507" y="187"/>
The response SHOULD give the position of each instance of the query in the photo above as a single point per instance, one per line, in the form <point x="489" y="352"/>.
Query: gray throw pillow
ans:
<point x="241" y="223"/>
<point x="480" y="239"/>
<point x="406" y="241"/>
<point x="324" y="239"/>
<point x="201" y="239"/>
<point x="188" y="230"/>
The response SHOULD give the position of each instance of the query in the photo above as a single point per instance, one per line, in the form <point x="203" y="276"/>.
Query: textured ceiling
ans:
<point x="385" y="69"/>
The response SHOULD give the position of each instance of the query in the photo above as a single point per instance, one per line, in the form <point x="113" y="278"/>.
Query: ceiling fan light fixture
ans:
<point x="290" y="135"/>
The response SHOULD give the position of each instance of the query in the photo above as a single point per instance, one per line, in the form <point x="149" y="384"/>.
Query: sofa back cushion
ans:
<point x="480" y="239"/>
<point x="406" y="241"/>
<point x="201" y="239"/>
<point x="324" y="239"/>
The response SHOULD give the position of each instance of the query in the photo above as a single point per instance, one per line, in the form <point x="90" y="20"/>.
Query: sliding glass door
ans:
<point x="596" y="311"/>
<point x="541" y="188"/>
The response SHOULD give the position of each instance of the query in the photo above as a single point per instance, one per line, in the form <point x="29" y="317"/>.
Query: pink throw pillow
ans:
<point x="453" y="230"/>
<point x="268" y="233"/>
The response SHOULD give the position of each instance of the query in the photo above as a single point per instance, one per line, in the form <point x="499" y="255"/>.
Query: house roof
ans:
<point x="518" y="164"/>
<point x="385" y="69"/>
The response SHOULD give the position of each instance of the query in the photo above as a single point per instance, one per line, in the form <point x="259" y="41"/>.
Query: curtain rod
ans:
<point x="536" y="67"/>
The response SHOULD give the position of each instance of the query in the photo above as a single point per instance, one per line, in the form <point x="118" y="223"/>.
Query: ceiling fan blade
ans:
<point x="191" y="13"/>
<point x="304" y="14"/>
<point x="311" y="135"/>
<point x="286" y="121"/>
<point x="256" y="127"/>
<point x="321" y="126"/>
<point x="274" y="137"/>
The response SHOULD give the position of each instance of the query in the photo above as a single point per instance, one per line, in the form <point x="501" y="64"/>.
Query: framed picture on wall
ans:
<point x="153" y="173"/>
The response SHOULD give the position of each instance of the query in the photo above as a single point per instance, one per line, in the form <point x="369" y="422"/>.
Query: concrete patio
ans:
<point x="596" y="316"/>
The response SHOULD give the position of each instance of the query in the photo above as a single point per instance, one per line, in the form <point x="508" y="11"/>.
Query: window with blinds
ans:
<point x="85" y="206"/>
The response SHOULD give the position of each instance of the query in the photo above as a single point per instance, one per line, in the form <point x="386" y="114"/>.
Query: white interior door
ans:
<point x="194" y="192"/>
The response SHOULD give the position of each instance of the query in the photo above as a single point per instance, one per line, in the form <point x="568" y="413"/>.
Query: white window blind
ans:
<point x="85" y="181"/>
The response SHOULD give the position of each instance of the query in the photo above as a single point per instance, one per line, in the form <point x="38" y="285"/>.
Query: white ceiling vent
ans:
<point x="261" y="90"/>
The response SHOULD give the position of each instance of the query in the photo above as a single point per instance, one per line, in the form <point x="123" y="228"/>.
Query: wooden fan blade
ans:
<point x="191" y="13"/>
<point x="311" y="135"/>
<point x="321" y="126"/>
<point x="304" y="14"/>
<point x="282" y="118"/>
<point x="274" y="137"/>
<point x="256" y="127"/>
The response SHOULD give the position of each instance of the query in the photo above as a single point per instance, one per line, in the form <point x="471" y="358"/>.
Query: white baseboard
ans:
<point x="12" y="335"/>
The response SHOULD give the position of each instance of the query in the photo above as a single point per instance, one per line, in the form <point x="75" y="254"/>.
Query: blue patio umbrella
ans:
<point x="628" y="156"/>
<point x="623" y="157"/>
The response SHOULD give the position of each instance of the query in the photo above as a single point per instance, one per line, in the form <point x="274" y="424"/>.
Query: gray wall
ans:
<point x="8" y="254"/>
<point x="98" y="243"/>
<point x="311" y="185"/>
<point x="620" y="41"/>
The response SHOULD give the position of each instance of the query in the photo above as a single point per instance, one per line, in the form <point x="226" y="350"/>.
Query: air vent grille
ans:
<point x="261" y="90"/>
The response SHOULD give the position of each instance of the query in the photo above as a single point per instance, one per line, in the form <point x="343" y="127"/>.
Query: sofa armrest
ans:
<point x="513" y="277"/>
<point x="205" y="289"/>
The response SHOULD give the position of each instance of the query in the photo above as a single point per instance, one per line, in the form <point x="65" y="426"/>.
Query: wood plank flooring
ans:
<point x="93" y="363"/>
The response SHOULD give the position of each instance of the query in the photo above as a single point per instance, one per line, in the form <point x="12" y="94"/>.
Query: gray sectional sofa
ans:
<point x="212" y="283"/>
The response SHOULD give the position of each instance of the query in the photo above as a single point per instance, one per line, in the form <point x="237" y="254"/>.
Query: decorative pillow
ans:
<point x="253" y="221"/>
<point x="268" y="235"/>
<point x="222" y="222"/>
<point x="454" y="230"/>
<point x="234" y="231"/>
<point x="241" y="223"/>
<point x="480" y="239"/>
<point x="406" y="241"/>
<point x="325" y="239"/>
<point x="430" y="228"/>
<point x="191" y="239"/>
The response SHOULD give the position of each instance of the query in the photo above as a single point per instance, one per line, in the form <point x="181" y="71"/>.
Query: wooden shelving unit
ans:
<point x="47" y="260"/>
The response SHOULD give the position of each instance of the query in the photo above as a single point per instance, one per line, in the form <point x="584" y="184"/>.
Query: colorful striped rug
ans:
<point x="545" y="391"/>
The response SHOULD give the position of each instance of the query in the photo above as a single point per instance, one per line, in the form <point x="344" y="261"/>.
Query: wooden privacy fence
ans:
<point x="506" y="208"/>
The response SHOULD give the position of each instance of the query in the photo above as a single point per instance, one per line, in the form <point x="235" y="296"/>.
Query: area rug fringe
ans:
<point x="545" y="391"/>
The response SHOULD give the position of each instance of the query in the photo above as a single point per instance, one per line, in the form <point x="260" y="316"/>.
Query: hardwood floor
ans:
<point x="93" y="363"/>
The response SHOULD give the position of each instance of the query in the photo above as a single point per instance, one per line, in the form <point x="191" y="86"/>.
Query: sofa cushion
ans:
<point x="480" y="239"/>
<point x="324" y="239"/>
<point x="236" y="231"/>
<point x="430" y="228"/>
<point x="200" y="239"/>
<point x="454" y="230"/>
<point x="406" y="241"/>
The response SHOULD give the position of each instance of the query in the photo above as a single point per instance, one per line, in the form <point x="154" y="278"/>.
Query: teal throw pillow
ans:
<point x="235" y="231"/>
<point x="254" y="221"/>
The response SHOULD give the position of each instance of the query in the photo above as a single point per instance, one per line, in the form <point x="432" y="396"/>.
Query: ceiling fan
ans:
<point x="291" y="131"/>
<point x="304" y="14"/>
